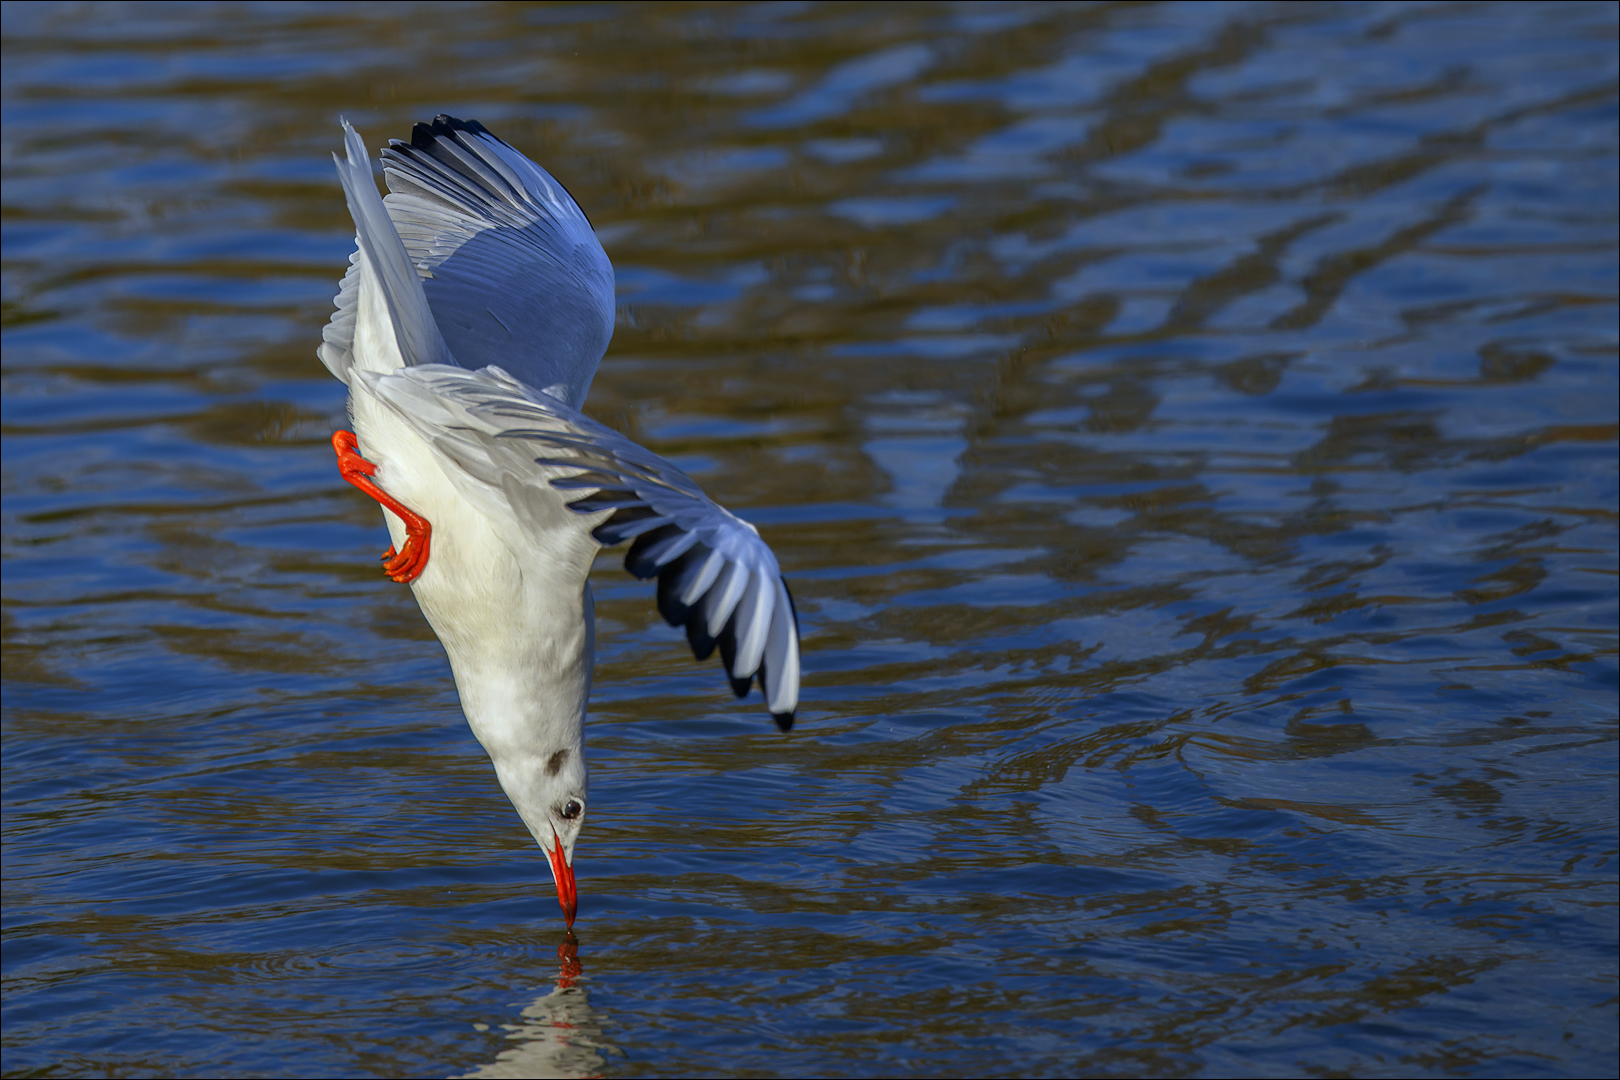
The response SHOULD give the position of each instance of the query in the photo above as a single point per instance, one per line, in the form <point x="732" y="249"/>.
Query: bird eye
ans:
<point x="571" y="809"/>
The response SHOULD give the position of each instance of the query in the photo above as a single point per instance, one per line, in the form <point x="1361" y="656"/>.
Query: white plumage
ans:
<point x="475" y="310"/>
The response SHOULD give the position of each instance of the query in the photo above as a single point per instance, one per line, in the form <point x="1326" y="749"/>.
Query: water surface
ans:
<point x="1189" y="432"/>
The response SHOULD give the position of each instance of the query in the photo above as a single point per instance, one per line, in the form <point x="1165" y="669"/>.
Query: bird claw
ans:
<point x="403" y="566"/>
<point x="407" y="565"/>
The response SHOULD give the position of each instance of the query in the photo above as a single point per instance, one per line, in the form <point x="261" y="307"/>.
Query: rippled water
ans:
<point x="1189" y="431"/>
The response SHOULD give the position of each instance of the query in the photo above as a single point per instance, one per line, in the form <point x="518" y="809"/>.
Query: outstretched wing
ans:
<point x="716" y="576"/>
<point x="513" y="272"/>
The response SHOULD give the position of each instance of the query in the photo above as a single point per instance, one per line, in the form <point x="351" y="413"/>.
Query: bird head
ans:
<point x="550" y="796"/>
<point x="567" y="820"/>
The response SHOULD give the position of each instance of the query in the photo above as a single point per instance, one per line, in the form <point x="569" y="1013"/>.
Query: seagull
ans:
<point x="475" y="309"/>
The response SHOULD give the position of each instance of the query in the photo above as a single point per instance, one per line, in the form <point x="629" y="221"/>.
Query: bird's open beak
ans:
<point x="567" y="896"/>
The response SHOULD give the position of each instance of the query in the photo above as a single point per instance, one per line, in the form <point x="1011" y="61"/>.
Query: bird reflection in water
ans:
<point x="558" y="1034"/>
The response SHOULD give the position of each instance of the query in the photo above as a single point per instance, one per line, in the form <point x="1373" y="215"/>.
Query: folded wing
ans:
<point x="520" y="448"/>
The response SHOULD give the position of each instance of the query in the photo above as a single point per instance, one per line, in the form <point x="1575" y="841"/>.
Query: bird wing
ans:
<point x="482" y="255"/>
<point x="378" y="251"/>
<point x="519" y="449"/>
<point x="512" y="269"/>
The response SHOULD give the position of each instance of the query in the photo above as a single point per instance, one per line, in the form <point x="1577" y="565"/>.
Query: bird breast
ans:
<point x="508" y="601"/>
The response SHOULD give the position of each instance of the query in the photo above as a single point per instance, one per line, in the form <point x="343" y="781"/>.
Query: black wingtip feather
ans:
<point x="697" y="634"/>
<point x="611" y="532"/>
<point x="450" y="123"/>
<point x="670" y="607"/>
<point x="637" y="560"/>
<point x="443" y="126"/>
<point x="728" y="658"/>
<point x="784" y="720"/>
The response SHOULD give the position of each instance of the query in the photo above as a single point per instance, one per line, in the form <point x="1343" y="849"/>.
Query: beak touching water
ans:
<point x="567" y="896"/>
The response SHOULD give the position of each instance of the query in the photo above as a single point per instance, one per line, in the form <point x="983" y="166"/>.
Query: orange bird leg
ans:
<point x="406" y="566"/>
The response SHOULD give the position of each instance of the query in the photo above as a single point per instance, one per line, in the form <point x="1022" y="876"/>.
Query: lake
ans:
<point x="1188" y="430"/>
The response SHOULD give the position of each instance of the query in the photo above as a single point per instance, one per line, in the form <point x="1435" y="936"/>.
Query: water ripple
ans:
<point x="1190" y="432"/>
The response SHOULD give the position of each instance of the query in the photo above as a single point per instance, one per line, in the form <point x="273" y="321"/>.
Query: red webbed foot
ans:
<point x="403" y="566"/>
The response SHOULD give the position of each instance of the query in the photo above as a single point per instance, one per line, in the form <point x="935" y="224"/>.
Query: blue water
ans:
<point x="1189" y="432"/>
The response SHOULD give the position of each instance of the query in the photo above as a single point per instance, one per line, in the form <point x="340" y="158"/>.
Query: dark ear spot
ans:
<point x="554" y="763"/>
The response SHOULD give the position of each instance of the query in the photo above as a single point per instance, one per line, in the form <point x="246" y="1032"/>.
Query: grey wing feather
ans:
<point x="381" y="251"/>
<point x="511" y="267"/>
<point x="337" y="339"/>
<point x="716" y="577"/>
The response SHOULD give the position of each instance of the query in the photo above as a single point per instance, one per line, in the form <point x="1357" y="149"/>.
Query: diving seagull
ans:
<point x="475" y="309"/>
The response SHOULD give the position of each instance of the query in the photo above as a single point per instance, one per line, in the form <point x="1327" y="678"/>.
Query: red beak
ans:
<point x="567" y="895"/>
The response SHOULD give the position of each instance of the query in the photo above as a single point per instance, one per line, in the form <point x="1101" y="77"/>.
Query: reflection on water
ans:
<point x="559" y="1035"/>
<point x="1189" y="431"/>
